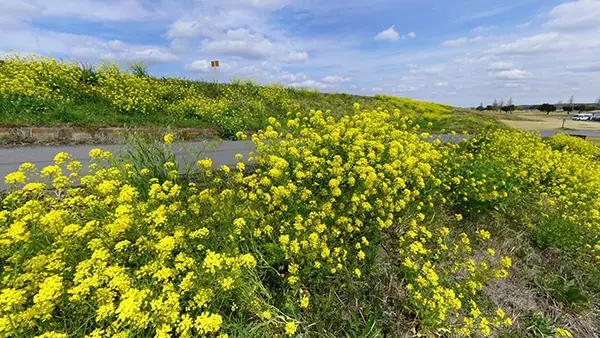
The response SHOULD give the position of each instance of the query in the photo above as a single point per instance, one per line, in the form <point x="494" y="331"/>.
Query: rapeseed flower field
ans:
<point x="40" y="90"/>
<point x="333" y="208"/>
<point x="346" y="221"/>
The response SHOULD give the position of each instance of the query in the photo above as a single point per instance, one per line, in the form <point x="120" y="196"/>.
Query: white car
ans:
<point x="582" y="117"/>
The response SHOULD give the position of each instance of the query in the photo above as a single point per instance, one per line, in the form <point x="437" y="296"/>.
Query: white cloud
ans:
<point x="179" y="45"/>
<point x="310" y="84"/>
<point x="116" y="45"/>
<point x="294" y="57"/>
<point x="241" y="43"/>
<point x="550" y="42"/>
<point x="483" y="29"/>
<point x="442" y="84"/>
<point x="460" y="41"/>
<point x="575" y="15"/>
<point x="388" y="34"/>
<point x="412" y="35"/>
<point x="290" y="77"/>
<point x="188" y="29"/>
<point x="455" y="43"/>
<point x="154" y="55"/>
<point x="513" y="74"/>
<point x="203" y="66"/>
<point x="377" y="89"/>
<point x="94" y="10"/>
<point x="333" y="79"/>
<point x="500" y="65"/>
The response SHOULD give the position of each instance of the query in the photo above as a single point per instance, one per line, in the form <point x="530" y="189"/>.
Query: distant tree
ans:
<point x="591" y="107"/>
<point x="490" y="107"/>
<point x="495" y="104"/>
<point x="568" y="109"/>
<point x="501" y="103"/>
<point x="579" y="107"/>
<point x="518" y="108"/>
<point x="480" y="107"/>
<point x="509" y="108"/>
<point x="510" y="102"/>
<point x="571" y="101"/>
<point x="547" y="107"/>
<point x="598" y="101"/>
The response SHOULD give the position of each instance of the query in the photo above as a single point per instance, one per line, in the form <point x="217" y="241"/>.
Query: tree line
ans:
<point x="568" y="107"/>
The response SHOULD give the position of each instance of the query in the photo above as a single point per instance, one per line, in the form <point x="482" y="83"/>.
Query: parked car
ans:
<point x="595" y="115"/>
<point x="582" y="117"/>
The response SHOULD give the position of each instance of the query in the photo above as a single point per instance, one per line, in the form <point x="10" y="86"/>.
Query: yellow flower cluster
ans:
<point x="232" y="108"/>
<point x="38" y="76"/>
<point x="100" y="252"/>
<point x="567" y="211"/>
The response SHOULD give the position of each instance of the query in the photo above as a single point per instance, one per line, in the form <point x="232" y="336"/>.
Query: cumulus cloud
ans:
<point x="294" y="57"/>
<point x="411" y="35"/>
<point x="388" y="34"/>
<point x="333" y="79"/>
<point x="377" y="89"/>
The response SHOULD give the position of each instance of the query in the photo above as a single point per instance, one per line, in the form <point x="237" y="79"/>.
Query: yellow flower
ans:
<point x="169" y="138"/>
<point x="304" y="300"/>
<point x="15" y="177"/>
<point x="290" y="328"/>
<point x="61" y="157"/>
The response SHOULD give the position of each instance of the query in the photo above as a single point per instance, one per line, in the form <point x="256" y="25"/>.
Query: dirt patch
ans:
<point x="547" y="122"/>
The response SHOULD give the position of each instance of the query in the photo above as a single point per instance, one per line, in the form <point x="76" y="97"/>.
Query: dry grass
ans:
<point x="524" y="292"/>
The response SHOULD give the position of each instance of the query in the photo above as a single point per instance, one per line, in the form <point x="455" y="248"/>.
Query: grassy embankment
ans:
<point x="44" y="92"/>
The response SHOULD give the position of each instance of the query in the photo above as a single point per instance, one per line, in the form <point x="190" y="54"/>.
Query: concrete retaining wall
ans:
<point x="83" y="135"/>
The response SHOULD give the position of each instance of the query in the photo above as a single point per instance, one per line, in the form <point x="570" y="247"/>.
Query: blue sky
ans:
<point x="459" y="52"/>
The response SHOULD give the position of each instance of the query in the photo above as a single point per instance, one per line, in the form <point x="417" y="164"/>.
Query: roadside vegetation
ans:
<point x="41" y="91"/>
<point x="340" y="224"/>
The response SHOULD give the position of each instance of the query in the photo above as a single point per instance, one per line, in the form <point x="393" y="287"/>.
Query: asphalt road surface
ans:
<point x="221" y="153"/>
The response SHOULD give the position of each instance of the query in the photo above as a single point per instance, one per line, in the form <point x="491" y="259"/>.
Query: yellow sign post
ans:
<point x="215" y="65"/>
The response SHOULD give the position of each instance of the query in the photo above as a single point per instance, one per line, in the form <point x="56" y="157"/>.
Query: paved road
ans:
<point x="222" y="153"/>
